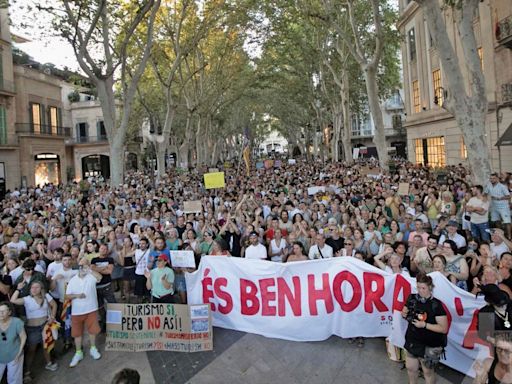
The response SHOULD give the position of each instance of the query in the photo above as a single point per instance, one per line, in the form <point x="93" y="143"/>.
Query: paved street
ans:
<point x="245" y="358"/>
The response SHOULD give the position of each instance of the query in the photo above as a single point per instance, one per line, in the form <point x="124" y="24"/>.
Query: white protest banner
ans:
<point x="182" y="259"/>
<point x="340" y="296"/>
<point x="292" y="161"/>
<point x="355" y="153"/>
<point x="315" y="190"/>
<point x="193" y="206"/>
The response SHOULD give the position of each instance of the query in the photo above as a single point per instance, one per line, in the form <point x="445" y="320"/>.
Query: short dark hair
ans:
<point x="425" y="279"/>
<point x="126" y="376"/>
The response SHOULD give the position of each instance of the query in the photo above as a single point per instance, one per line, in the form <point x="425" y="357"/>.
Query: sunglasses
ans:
<point x="29" y="269"/>
<point x="4" y="336"/>
<point x="348" y="243"/>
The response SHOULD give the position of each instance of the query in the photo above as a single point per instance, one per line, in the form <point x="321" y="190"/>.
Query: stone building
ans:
<point x="432" y="133"/>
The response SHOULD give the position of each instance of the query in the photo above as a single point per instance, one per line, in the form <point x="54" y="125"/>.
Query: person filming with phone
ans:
<point x="425" y="338"/>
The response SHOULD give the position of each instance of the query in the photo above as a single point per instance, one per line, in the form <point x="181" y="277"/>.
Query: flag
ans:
<point x="50" y="334"/>
<point x="65" y="317"/>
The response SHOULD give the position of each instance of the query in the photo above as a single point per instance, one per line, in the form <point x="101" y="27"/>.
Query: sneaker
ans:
<point x="78" y="356"/>
<point x="95" y="354"/>
<point x="51" y="367"/>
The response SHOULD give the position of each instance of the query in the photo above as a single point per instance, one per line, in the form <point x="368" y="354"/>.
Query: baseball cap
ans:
<point x="253" y="233"/>
<point x="452" y="223"/>
<point x="164" y="257"/>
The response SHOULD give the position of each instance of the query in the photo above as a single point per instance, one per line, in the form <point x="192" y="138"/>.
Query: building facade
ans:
<point x="9" y="150"/>
<point x="433" y="136"/>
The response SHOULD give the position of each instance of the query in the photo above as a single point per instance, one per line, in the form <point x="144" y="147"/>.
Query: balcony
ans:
<point x="88" y="139"/>
<point x="504" y="32"/>
<point x="43" y="130"/>
<point x="7" y="87"/>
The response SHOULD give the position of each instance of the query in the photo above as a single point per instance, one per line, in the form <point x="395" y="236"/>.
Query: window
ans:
<point x="463" y="149"/>
<point x="35" y="115"/>
<point x="81" y="133"/>
<point x="53" y="114"/>
<point x="438" y="89"/>
<point x="3" y="125"/>
<point x="481" y="56"/>
<point x="430" y="151"/>
<point x="416" y="102"/>
<point x="412" y="45"/>
<point x="101" y="132"/>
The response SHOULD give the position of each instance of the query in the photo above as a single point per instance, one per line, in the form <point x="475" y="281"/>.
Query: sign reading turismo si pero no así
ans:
<point x="158" y="327"/>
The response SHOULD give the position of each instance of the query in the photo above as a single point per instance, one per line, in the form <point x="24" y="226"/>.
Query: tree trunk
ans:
<point x="116" y="162"/>
<point x="347" y="118"/>
<point x="468" y="108"/>
<point x="379" y="137"/>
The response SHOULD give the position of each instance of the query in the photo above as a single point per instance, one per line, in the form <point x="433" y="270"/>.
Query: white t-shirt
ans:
<point x="141" y="265"/>
<point x="256" y="252"/>
<point x="53" y="267"/>
<point x="86" y="285"/>
<point x="499" y="250"/>
<point x="35" y="311"/>
<point x="477" y="218"/>
<point x="314" y="253"/>
<point x="18" y="247"/>
<point x="63" y="283"/>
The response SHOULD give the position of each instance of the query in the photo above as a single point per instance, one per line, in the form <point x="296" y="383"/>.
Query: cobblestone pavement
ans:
<point x="246" y="358"/>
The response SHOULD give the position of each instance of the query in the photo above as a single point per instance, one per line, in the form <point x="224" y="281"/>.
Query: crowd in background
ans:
<point x="115" y="242"/>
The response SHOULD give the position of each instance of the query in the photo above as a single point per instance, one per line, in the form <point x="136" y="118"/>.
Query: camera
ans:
<point x="413" y="313"/>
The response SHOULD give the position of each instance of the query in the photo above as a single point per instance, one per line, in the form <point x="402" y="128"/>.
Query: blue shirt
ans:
<point x="153" y="254"/>
<point x="9" y="348"/>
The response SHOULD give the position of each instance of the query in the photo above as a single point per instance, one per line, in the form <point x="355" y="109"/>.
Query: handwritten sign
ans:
<point x="314" y="190"/>
<point x="403" y="189"/>
<point x="159" y="327"/>
<point x="183" y="259"/>
<point x="292" y="161"/>
<point x="260" y="165"/>
<point x="214" y="180"/>
<point x="192" y="206"/>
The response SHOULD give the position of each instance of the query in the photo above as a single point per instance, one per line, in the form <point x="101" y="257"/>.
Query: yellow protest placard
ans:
<point x="214" y="180"/>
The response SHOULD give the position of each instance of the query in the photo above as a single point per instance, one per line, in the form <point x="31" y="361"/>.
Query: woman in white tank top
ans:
<point x="276" y="247"/>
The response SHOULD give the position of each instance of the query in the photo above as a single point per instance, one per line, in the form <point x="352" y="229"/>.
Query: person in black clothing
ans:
<point x="426" y="333"/>
<point x="104" y="265"/>
<point x="499" y="369"/>
<point x="336" y="242"/>
<point x="496" y="315"/>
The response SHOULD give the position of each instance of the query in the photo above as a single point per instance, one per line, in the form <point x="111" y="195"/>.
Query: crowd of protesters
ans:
<point x="67" y="250"/>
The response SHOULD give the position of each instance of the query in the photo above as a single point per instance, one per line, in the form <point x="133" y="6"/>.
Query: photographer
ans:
<point x="426" y="333"/>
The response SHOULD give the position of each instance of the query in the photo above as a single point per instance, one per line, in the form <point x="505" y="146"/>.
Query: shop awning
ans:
<point x="506" y="138"/>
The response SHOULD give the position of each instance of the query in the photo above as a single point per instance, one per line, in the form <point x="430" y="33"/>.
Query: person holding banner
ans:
<point x="160" y="281"/>
<point x="425" y="338"/>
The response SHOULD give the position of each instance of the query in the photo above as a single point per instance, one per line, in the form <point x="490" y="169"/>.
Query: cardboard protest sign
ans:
<point x="214" y="180"/>
<point x="159" y="327"/>
<point x="192" y="206"/>
<point x="183" y="259"/>
<point x="403" y="189"/>
<point x="315" y="190"/>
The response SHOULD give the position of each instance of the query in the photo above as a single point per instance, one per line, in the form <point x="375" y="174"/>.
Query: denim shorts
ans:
<point x="179" y="283"/>
<point x="34" y="334"/>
